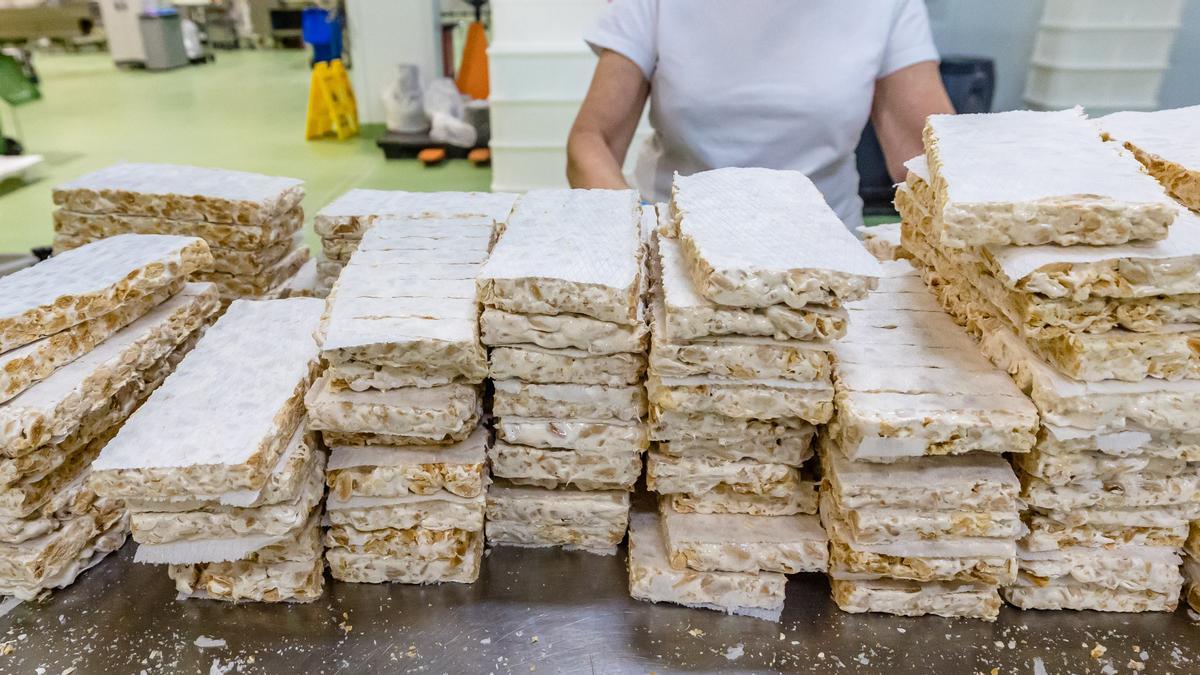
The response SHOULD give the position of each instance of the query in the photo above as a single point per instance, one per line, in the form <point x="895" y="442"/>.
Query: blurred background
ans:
<point x="455" y="95"/>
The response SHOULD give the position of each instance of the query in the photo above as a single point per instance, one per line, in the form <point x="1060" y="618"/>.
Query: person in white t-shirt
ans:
<point x="782" y="84"/>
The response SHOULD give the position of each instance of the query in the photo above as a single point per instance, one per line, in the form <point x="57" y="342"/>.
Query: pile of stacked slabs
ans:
<point x="400" y="405"/>
<point x="563" y="316"/>
<point x="1098" y="330"/>
<point x="1167" y="143"/>
<point x="84" y="338"/>
<point x="342" y="223"/>
<point x="222" y="482"/>
<point x="921" y="508"/>
<point x="251" y="222"/>
<point x="750" y="270"/>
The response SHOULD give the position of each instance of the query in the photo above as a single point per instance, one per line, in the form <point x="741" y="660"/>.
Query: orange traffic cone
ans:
<point x="473" y="75"/>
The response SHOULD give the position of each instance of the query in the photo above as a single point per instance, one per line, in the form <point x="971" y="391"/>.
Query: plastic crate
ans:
<point x="1123" y="13"/>
<point x="1053" y="86"/>
<point x="519" y="72"/>
<point x="562" y="22"/>
<point x="1105" y="46"/>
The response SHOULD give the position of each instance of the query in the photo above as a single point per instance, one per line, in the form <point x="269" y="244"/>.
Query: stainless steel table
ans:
<point x="550" y="611"/>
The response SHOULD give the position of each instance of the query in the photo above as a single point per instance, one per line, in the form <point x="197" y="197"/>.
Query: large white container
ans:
<point x="561" y="22"/>
<point x="539" y="72"/>
<point x="517" y="167"/>
<point x="520" y="167"/>
<point x="539" y="122"/>
<point x="536" y="122"/>
<point x="123" y="31"/>
<point x="1112" y="12"/>
<point x="1148" y="46"/>
<point x="1129" y="88"/>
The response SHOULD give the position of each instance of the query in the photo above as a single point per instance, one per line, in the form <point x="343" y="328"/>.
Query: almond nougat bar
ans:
<point x="760" y="237"/>
<point x="91" y="281"/>
<point x="1068" y="187"/>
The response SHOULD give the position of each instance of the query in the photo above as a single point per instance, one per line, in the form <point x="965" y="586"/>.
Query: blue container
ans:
<point x="323" y="31"/>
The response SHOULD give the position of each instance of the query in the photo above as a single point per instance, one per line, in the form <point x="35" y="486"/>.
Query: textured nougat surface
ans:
<point x="759" y="237"/>
<point x="568" y="251"/>
<point x="56" y="406"/>
<point x="1066" y="185"/>
<point x="653" y="579"/>
<point x="256" y="403"/>
<point x="91" y="281"/>
<point x="742" y="543"/>
<point x="92" y="226"/>
<point x="181" y="192"/>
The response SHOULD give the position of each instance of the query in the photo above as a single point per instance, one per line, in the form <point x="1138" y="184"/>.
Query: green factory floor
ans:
<point x="245" y="111"/>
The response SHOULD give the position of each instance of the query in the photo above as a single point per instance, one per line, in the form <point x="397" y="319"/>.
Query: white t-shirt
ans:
<point x="781" y="84"/>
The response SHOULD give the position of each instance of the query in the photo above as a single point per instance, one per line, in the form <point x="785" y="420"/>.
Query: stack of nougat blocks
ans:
<point x="1068" y="261"/>
<point x="222" y="481"/>
<point x="1167" y="143"/>
<point x="400" y="405"/>
<point x="921" y="508"/>
<point x="750" y="270"/>
<point x="563" y="316"/>
<point x="84" y="338"/>
<point x="342" y="223"/>
<point x="251" y="222"/>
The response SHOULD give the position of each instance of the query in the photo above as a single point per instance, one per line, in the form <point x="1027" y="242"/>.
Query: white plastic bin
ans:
<point x="1051" y="86"/>
<point x="561" y="22"/>
<point x="1104" y="46"/>
<point x="520" y="167"/>
<point x="532" y="122"/>
<point x="1112" y="12"/>
<point x="519" y="72"/>
<point x="540" y="122"/>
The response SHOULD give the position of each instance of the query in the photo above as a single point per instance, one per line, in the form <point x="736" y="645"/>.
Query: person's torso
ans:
<point x="783" y="84"/>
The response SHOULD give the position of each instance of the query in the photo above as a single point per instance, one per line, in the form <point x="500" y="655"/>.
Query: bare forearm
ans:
<point x="591" y="163"/>
<point x="903" y="101"/>
<point x="605" y="124"/>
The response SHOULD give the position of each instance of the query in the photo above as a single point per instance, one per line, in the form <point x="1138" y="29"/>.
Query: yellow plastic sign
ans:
<point x="332" y="109"/>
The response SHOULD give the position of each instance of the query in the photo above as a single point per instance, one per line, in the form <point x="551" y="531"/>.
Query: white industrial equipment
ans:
<point x="124" y="34"/>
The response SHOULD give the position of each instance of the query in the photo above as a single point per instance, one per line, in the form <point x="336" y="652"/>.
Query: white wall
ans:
<point x="1181" y="86"/>
<point x="387" y="32"/>
<point x="461" y="6"/>
<point x="1001" y="30"/>
<point x="1005" y="31"/>
<point x="384" y="33"/>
